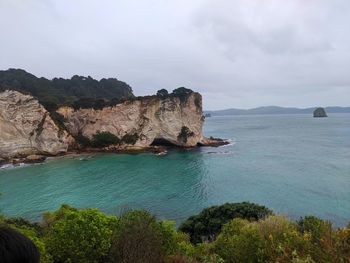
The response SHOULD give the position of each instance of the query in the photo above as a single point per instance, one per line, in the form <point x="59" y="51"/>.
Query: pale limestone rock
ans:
<point x="26" y="127"/>
<point x="150" y="117"/>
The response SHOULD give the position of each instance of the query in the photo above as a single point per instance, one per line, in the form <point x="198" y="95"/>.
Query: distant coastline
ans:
<point x="275" y="110"/>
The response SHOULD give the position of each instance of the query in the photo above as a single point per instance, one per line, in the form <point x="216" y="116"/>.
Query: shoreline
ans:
<point x="20" y="161"/>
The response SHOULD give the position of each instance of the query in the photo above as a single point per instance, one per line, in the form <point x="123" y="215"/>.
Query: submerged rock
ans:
<point x="2" y="161"/>
<point x="34" y="158"/>
<point x="319" y="113"/>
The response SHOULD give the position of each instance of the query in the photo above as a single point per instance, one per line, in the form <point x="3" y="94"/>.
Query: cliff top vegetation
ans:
<point x="78" y="91"/>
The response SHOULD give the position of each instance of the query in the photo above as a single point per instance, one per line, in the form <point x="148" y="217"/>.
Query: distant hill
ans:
<point x="275" y="110"/>
<point x="59" y="91"/>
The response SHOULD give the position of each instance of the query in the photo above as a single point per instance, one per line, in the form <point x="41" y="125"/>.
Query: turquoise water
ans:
<point x="294" y="164"/>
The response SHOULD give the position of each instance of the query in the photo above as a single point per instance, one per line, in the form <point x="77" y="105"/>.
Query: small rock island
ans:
<point x="320" y="113"/>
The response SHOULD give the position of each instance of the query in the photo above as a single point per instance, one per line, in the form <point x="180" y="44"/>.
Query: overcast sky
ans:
<point x="237" y="53"/>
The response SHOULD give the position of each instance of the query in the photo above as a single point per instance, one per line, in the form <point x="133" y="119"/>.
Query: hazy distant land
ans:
<point x="275" y="110"/>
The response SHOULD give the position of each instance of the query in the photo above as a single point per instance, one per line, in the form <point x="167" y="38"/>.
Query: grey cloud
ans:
<point x="237" y="53"/>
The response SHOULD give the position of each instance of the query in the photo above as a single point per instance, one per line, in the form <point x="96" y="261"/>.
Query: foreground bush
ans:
<point x="79" y="235"/>
<point x="251" y="235"/>
<point x="140" y="238"/>
<point x="206" y="225"/>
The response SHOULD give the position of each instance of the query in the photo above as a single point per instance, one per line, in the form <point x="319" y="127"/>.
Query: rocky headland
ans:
<point x="29" y="132"/>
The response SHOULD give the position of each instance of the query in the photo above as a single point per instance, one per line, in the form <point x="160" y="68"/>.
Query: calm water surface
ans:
<point x="294" y="164"/>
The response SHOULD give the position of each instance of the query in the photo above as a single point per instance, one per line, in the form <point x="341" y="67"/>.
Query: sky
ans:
<point x="236" y="53"/>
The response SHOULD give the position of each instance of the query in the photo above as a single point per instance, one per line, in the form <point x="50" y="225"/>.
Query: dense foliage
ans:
<point x="104" y="139"/>
<point x="246" y="233"/>
<point x="184" y="134"/>
<point x="78" y="91"/>
<point x="79" y="235"/>
<point x="207" y="224"/>
<point x="162" y="93"/>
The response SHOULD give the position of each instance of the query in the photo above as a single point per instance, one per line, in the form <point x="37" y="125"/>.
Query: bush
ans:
<point x="130" y="138"/>
<point x="239" y="241"/>
<point x="184" y="134"/>
<point x="79" y="235"/>
<point x="104" y="139"/>
<point x="138" y="238"/>
<point x="182" y="93"/>
<point x="281" y="240"/>
<point x="206" y="225"/>
<point x="82" y="140"/>
<point x="162" y="93"/>
<point x="325" y="244"/>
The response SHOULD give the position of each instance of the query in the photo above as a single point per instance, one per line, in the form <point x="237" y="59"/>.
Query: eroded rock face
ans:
<point x="26" y="128"/>
<point x="151" y="118"/>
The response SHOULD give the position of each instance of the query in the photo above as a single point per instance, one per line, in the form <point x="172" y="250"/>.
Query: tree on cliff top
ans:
<point x="59" y="91"/>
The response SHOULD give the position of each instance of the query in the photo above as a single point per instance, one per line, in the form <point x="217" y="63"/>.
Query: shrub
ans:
<point x="104" y="139"/>
<point x="82" y="140"/>
<point x="184" y="134"/>
<point x="320" y="234"/>
<point x="130" y="138"/>
<point x="58" y="120"/>
<point x="239" y="241"/>
<point x="80" y="235"/>
<point x="20" y="222"/>
<point x="182" y="93"/>
<point x="162" y="93"/>
<point x="138" y="238"/>
<point x="207" y="224"/>
<point x="281" y="240"/>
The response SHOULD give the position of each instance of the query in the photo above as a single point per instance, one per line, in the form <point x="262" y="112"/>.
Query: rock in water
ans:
<point x="34" y="158"/>
<point x="319" y="113"/>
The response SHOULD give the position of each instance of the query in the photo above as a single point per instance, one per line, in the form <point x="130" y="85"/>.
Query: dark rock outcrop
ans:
<point x="319" y="113"/>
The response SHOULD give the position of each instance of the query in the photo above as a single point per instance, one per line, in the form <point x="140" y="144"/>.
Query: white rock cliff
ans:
<point x="27" y="128"/>
<point x="151" y="118"/>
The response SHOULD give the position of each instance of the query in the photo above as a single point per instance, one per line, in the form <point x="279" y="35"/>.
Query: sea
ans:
<point x="296" y="165"/>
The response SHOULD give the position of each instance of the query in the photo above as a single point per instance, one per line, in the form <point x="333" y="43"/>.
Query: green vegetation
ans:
<point x="78" y="91"/>
<point x="182" y="93"/>
<point x="162" y="93"/>
<point x="104" y="139"/>
<point x="207" y="225"/>
<point x="130" y="138"/>
<point x="184" y="134"/>
<point x="79" y="235"/>
<point x="239" y="232"/>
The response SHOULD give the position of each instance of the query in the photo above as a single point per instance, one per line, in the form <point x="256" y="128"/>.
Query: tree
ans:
<point x="207" y="224"/>
<point x="79" y="235"/>
<point x="239" y="241"/>
<point x="184" y="134"/>
<point x="140" y="238"/>
<point x="162" y="93"/>
<point x="182" y="93"/>
<point x="103" y="139"/>
<point x="130" y="138"/>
